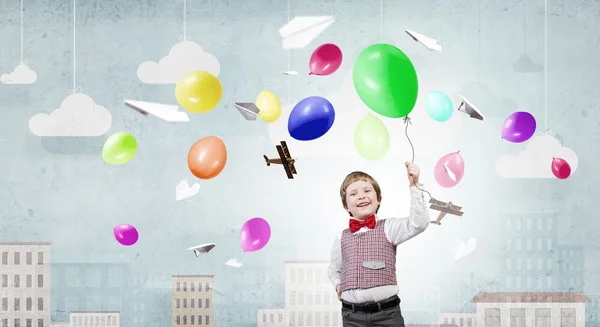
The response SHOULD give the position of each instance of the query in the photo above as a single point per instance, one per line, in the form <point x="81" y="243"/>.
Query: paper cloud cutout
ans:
<point x="525" y="65"/>
<point x="21" y="75"/>
<point x="536" y="160"/>
<point x="184" y="57"/>
<point x="78" y="115"/>
<point x="233" y="263"/>
<point x="339" y="140"/>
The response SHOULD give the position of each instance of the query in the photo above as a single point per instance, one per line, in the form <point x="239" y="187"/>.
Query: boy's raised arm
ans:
<point x="335" y="265"/>
<point x="400" y="230"/>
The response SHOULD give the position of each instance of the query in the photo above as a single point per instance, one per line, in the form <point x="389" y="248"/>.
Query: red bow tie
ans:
<point x="355" y="225"/>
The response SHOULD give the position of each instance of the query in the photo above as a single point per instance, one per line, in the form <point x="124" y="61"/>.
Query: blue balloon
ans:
<point x="311" y="118"/>
<point x="439" y="106"/>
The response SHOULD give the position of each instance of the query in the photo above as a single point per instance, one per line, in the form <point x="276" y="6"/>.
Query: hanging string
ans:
<point x="381" y="20"/>
<point x="184" y="37"/>
<point x="288" y="57"/>
<point x="412" y="147"/>
<point x="546" y="65"/>
<point x="22" y="61"/>
<point x="75" y="89"/>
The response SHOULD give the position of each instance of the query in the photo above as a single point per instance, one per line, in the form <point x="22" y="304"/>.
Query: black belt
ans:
<point x="373" y="306"/>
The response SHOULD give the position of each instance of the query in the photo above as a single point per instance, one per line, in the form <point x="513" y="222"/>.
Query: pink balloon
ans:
<point x="449" y="170"/>
<point x="325" y="60"/>
<point x="255" y="234"/>
<point x="126" y="234"/>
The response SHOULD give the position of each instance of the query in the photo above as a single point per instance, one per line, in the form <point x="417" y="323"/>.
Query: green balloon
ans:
<point x="386" y="81"/>
<point x="119" y="148"/>
<point x="371" y="138"/>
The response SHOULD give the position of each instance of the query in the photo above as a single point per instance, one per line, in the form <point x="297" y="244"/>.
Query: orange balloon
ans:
<point x="207" y="157"/>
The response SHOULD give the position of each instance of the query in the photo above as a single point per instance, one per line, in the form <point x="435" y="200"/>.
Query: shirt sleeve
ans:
<point x="335" y="265"/>
<point x="400" y="230"/>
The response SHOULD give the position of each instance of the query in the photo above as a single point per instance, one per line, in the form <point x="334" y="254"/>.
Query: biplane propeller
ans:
<point x="285" y="159"/>
<point x="444" y="208"/>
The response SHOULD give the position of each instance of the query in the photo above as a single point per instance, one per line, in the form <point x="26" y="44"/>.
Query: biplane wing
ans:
<point x="287" y="154"/>
<point x="284" y="162"/>
<point x="451" y="211"/>
<point x="444" y="204"/>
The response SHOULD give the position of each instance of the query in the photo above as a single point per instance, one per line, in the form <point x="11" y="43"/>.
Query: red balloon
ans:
<point x="325" y="60"/>
<point x="561" y="168"/>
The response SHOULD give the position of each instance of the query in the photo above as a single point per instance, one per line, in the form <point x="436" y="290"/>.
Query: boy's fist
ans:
<point x="338" y="290"/>
<point x="412" y="172"/>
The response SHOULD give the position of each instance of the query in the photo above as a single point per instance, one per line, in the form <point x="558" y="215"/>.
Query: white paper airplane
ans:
<point x="248" y="109"/>
<point x="302" y="30"/>
<point x="184" y="191"/>
<point x="202" y="248"/>
<point x="469" y="109"/>
<point x="465" y="249"/>
<point x="233" y="263"/>
<point x="449" y="172"/>
<point x="166" y="112"/>
<point x="428" y="42"/>
<point x="291" y="72"/>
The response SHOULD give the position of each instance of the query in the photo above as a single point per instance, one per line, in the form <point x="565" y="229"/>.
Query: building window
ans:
<point x="4" y="304"/>
<point x="567" y="317"/>
<point x="300" y="302"/>
<point x="28" y="304"/>
<point x="206" y="288"/>
<point x="40" y="281"/>
<point x="461" y="322"/>
<point x="326" y="298"/>
<point x="335" y="318"/>
<point x="28" y="281"/>
<point x="542" y="317"/>
<point x="4" y="322"/>
<point x="199" y="303"/>
<point x="206" y="304"/>
<point x="492" y="317"/>
<point x="178" y="287"/>
<point x="192" y="302"/>
<point x="40" y="258"/>
<point x="272" y="316"/>
<point x="317" y="319"/>
<point x="17" y="304"/>
<point x="300" y="318"/>
<point x="4" y="258"/>
<point x="264" y="317"/>
<point x="292" y="297"/>
<point x="517" y="317"/>
<point x="28" y="256"/>
<point x="199" y="286"/>
<point x="292" y="275"/>
<point x="185" y="290"/>
<point x="185" y="304"/>
<point x="300" y="275"/>
<point x="17" y="281"/>
<point x="446" y="319"/>
<point x="178" y="303"/>
<point x="28" y="323"/>
<point x="207" y="320"/>
<point x="199" y="320"/>
<point x="309" y="276"/>
<point x="318" y="273"/>
<point x="309" y="298"/>
<point x="192" y="288"/>
<point x="17" y="322"/>
<point x="17" y="259"/>
<point x="40" y="304"/>
<point x="192" y="318"/>
<point x="185" y="320"/>
<point x="549" y="224"/>
<point x="40" y="322"/>
<point x="470" y="322"/>
<point x="4" y="280"/>
<point x="178" y="320"/>
<point x="281" y="317"/>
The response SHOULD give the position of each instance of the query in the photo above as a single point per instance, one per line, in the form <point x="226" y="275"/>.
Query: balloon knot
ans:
<point x="407" y="120"/>
<point x="184" y="38"/>
<point x="310" y="73"/>
<point x="76" y="90"/>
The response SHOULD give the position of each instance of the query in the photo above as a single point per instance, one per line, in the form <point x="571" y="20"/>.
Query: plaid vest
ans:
<point x="368" y="246"/>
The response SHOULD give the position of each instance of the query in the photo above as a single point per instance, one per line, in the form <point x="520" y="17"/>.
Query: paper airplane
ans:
<point x="302" y="30"/>
<point x="449" y="172"/>
<point x="428" y="42"/>
<point x="247" y="109"/>
<point x="468" y="108"/>
<point x="202" y="248"/>
<point x="165" y="112"/>
<point x="233" y="263"/>
<point x="291" y="72"/>
<point x="465" y="249"/>
<point x="184" y="191"/>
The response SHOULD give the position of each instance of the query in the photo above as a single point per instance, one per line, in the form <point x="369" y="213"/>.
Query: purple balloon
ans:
<point x="126" y="234"/>
<point x="255" y="234"/>
<point x="518" y="127"/>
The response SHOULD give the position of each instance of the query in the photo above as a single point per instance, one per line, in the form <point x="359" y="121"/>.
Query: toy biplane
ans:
<point x="285" y="159"/>
<point x="444" y="208"/>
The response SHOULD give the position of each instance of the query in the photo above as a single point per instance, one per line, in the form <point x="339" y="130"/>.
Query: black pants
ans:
<point x="389" y="317"/>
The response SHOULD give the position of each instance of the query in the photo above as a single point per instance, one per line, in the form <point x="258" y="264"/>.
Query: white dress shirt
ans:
<point x="397" y="231"/>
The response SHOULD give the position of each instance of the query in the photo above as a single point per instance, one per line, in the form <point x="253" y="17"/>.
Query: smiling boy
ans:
<point x="363" y="256"/>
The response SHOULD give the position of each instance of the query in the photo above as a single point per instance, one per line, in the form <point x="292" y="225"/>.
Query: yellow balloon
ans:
<point x="198" y="92"/>
<point x="269" y="106"/>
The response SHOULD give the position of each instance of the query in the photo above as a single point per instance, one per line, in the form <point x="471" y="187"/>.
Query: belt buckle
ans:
<point x="371" y="307"/>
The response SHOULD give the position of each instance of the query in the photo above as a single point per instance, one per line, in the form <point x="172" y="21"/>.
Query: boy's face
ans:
<point x="361" y="199"/>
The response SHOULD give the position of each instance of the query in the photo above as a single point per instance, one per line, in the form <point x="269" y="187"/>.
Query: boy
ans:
<point x="363" y="256"/>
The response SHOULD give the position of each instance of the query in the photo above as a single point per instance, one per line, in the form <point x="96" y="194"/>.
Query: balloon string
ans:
<point x="408" y="122"/>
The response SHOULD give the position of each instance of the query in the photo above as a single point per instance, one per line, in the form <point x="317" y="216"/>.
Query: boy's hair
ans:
<point x="356" y="176"/>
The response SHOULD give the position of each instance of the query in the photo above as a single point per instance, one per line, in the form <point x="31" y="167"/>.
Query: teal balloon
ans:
<point x="386" y="80"/>
<point x="371" y="138"/>
<point x="438" y="106"/>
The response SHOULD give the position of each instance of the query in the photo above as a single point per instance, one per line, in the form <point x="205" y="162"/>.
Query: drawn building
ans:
<point x="95" y="318"/>
<point x="25" y="284"/>
<point x="271" y="317"/>
<point x="192" y="300"/>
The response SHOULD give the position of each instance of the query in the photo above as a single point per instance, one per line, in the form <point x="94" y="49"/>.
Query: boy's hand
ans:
<point x="412" y="172"/>
<point x="338" y="290"/>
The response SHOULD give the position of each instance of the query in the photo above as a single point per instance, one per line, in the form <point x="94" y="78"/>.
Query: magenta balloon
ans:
<point x="325" y="60"/>
<point x="255" y="234"/>
<point x="519" y="127"/>
<point x="126" y="234"/>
